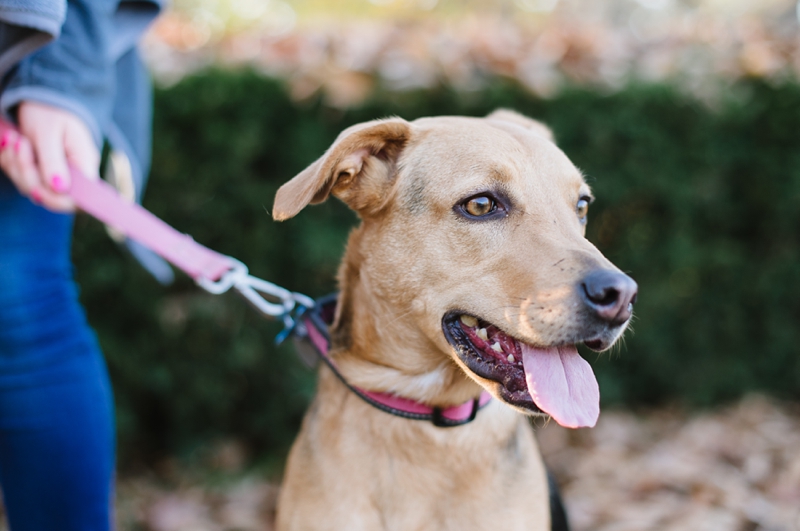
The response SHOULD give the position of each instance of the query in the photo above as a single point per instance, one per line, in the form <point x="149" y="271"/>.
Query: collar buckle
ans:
<point x="440" y="421"/>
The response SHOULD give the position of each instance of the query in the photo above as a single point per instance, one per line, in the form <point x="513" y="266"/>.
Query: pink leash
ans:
<point x="100" y="200"/>
<point x="217" y="273"/>
<point x="212" y="271"/>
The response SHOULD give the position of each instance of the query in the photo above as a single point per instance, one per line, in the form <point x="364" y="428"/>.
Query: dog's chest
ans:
<point x="407" y="475"/>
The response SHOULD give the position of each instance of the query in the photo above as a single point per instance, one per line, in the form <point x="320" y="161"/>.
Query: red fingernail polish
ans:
<point x="36" y="195"/>
<point x="58" y="184"/>
<point x="4" y="140"/>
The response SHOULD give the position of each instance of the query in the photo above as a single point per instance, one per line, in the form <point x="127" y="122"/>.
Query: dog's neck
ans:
<point x="379" y="348"/>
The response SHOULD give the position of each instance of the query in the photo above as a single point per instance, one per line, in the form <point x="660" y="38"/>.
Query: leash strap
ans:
<point x="212" y="271"/>
<point x="313" y="328"/>
<point x="98" y="199"/>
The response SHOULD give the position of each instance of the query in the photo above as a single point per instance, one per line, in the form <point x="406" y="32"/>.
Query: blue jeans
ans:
<point x="56" y="409"/>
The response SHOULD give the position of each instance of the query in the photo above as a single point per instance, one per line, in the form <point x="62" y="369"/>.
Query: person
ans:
<point x="71" y="78"/>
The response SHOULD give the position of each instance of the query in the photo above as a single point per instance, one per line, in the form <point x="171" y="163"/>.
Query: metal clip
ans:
<point x="253" y="289"/>
<point x="226" y="281"/>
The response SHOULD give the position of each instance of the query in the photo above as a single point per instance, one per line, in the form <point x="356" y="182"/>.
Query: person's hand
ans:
<point x="37" y="160"/>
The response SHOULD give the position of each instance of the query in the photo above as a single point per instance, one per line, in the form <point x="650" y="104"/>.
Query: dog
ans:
<point x="469" y="276"/>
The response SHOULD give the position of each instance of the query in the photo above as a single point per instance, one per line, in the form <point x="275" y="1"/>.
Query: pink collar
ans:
<point x="315" y="329"/>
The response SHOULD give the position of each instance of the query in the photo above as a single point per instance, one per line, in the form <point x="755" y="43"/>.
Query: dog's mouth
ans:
<point x="553" y="380"/>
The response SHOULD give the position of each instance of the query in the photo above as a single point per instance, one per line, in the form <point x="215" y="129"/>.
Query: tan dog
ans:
<point x="470" y="271"/>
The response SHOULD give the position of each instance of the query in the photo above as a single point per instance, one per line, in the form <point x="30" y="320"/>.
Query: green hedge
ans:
<point x="699" y="205"/>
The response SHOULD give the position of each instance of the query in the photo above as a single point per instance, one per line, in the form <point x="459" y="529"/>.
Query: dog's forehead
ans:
<point x="467" y="153"/>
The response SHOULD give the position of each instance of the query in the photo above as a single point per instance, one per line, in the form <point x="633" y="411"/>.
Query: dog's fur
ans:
<point x="414" y="259"/>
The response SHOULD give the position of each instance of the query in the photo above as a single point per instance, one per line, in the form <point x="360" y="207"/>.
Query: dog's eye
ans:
<point x="582" y="208"/>
<point x="480" y="206"/>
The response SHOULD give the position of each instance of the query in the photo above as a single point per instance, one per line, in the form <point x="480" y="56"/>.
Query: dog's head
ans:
<point x="472" y="248"/>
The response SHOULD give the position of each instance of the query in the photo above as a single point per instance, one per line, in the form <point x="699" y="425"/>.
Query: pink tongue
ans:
<point x="562" y="384"/>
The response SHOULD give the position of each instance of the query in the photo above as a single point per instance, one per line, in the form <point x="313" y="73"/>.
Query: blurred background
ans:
<point x="684" y="115"/>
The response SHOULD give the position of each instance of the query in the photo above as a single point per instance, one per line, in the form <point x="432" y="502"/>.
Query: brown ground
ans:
<point x="736" y="469"/>
<point x="733" y="469"/>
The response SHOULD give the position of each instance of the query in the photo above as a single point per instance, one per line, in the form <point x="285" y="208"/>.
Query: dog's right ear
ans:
<point x="357" y="168"/>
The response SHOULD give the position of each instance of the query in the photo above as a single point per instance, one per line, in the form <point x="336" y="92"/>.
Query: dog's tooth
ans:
<point x="469" y="321"/>
<point x="496" y="347"/>
<point x="511" y="358"/>
<point x="482" y="334"/>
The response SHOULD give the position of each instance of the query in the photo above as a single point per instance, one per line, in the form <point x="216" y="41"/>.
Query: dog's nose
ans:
<point x="610" y="294"/>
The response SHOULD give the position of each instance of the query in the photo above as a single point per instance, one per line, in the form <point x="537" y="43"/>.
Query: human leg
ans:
<point x="56" y="413"/>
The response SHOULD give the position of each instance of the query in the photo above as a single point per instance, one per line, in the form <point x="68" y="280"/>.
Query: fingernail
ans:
<point x="36" y="195"/>
<point x="4" y="140"/>
<point x="16" y="144"/>
<point x="58" y="184"/>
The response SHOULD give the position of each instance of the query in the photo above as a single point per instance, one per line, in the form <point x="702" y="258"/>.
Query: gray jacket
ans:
<point x="80" y="55"/>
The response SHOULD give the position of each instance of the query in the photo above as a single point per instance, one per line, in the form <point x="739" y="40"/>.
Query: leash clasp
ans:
<point x="279" y="302"/>
<point x="237" y="272"/>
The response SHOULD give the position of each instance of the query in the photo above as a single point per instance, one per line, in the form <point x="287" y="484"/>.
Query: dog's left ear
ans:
<point x="536" y="127"/>
<point x="358" y="169"/>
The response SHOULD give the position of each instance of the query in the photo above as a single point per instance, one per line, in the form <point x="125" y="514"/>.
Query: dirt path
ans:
<point x="734" y="469"/>
<point x="737" y="469"/>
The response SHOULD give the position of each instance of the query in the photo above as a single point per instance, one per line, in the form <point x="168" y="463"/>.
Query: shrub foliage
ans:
<point x="699" y="205"/>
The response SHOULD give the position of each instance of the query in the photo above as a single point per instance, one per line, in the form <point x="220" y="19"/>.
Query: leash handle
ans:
<point x="212" y="271"/>
<point x="100" y="200"/>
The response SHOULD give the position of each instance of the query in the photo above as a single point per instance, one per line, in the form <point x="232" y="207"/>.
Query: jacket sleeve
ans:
<point x="26" y="25"/>
<point x="76" y="71"/>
